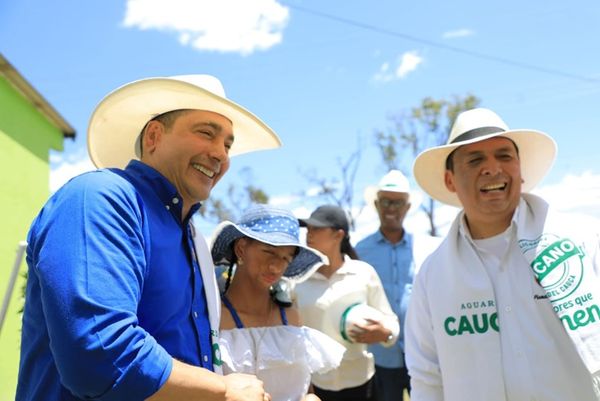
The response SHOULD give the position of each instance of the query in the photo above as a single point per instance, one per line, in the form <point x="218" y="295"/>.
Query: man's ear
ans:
<point x="449" y="181"/>
<point x="152" y="135"/>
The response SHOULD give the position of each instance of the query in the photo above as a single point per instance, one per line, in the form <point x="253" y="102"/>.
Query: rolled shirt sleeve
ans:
<point x="88" y="257"/>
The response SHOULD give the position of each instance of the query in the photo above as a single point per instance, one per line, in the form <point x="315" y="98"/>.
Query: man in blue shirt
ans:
<point x="390" y="251"/>
<point x="121" y="300"/>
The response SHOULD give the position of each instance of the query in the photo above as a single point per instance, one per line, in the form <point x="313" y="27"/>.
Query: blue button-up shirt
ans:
<point x="114" y="290"/>
<point x="395" y="267"/>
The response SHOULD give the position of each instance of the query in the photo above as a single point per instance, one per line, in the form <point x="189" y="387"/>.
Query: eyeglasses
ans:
<point x="391" y="204"/>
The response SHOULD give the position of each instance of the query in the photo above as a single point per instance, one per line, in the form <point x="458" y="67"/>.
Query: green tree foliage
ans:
<point x="417" y="129"/>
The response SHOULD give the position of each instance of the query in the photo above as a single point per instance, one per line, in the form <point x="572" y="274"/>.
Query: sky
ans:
<point x="325" y="75"/>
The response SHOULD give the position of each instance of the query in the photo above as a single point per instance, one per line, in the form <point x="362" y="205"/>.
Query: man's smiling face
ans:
<point x="193" y="154"/>
<point x="486" y="177"/>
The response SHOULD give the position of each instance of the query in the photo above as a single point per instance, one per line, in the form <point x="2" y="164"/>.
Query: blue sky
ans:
<point x="326" y="74"/>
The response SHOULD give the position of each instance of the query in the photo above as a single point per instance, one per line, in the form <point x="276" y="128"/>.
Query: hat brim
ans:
<point x="537" y="152"/>
<point x="314" y="223"/>
<point x="120" y="116"/>
<point x="304" y="264"/>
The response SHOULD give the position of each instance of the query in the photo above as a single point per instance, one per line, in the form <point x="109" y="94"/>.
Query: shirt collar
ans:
<point x="463" y="229"/>
<point x="344" y="269"/>
<point x="163" y="188"/>
<point x="406" y="238"/>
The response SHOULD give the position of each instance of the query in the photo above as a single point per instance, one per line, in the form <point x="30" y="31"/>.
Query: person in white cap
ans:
<point x="391" y="251"/>
<point x="508" y="307"/>
<point x="121" y="300"/>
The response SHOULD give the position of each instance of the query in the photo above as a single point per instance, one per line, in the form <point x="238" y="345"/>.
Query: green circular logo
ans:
<point x="558" y="265"/>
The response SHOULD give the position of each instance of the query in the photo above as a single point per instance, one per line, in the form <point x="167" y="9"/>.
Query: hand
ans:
<point x="371" y="332"/>
<point x="243" y="387"/>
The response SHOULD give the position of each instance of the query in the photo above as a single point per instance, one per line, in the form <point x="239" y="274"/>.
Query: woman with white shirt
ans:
<point x="345" y="300"/>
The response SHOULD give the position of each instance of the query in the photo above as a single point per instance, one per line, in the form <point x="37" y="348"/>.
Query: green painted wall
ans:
<point x="25" y="140"/>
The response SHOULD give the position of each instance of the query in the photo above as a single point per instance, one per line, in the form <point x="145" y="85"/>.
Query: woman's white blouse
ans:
<point x="283" y="357"/>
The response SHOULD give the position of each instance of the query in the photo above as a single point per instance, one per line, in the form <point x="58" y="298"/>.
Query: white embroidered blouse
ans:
<point x="283" y="357"/>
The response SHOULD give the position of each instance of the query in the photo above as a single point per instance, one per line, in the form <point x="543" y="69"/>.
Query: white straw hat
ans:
<point x="393" y="181"/>
<point x="537" y="151"/>
<point x="120" y="117"/>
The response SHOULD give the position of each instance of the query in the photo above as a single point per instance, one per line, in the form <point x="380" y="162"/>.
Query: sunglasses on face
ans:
<point x="391" y="204"/>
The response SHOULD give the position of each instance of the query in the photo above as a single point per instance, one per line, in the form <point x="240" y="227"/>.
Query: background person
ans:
<point x="395" y="254"/>
<point x="258" y="335"/>
<point x="332" y="295"/>
<point x="121" y="300"/>
<point x="505" y="308"/>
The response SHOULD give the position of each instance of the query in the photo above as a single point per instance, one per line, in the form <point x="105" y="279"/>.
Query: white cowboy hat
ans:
<point x="119" y="118"/>
<point x="537" y="151"/>
<point x="393" y="181"/>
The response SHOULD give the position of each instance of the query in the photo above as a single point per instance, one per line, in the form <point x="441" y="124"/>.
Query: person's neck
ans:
<point x="392" y="235"/>
<point x="186" y="202"/>
<point x="185" y="209"/>
<point x="481" y="229"/>
<point x="249" y="299"/>
<point x="186" y="205"/>
<point x="336" y="260"/>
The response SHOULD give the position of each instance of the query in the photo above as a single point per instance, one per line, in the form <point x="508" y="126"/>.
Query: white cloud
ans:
<point x="458" y="33"/>
<point x="283" y="200"/>
<point x="313" y="192"/>
<point x="383" y="75"/>
<point x="406" y="63"/>
<point x="62" y="171"/>
<point x="579" y="194"/>
<point x="238" y="26"/>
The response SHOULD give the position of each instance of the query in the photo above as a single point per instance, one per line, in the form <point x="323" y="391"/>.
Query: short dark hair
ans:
<point x="167" y="119"/>
<point x="450" y="161"/>
<point x="450" y="158"/>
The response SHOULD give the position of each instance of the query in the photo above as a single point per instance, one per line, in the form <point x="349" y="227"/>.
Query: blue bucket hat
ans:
<point x="269" y="225"/>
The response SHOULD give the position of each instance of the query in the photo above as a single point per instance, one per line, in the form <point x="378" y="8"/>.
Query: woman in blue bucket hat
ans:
<point x="259" y="335"/>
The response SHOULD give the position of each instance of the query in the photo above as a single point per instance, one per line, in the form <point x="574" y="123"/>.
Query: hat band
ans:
<point x="477" y="132"/>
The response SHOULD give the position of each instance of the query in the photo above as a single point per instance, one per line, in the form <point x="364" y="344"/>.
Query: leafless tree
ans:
<point x="417" y="129"/>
